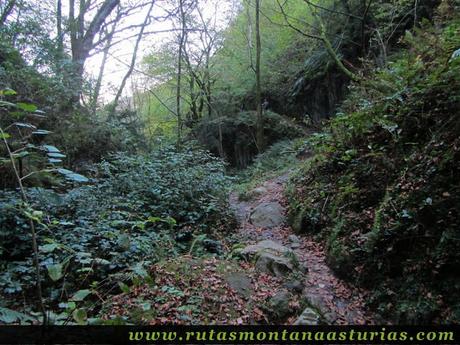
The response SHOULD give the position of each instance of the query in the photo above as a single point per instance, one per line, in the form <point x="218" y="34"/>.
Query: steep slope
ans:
<point x="383" y="191"/>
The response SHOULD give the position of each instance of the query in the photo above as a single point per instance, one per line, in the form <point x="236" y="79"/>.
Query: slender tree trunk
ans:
<point x="208" y="83"/>
<point x="81" y="38"/>
<point x="330" y="49"/>
<point x="105" y="55"/>
<point x="77" y="55"/>
<point x="7" y="11"/>
<point x="193" y="99"/>
<point x="221" y="141"/>
<point x="81" y="19"/>
<point x="60" y="37"/>
<point x="365" y="10"/>
<point x="133" y="59"/>
<point x="260" y="120"/>
<point x="179" y="74"/>
<point x="322" y="37"/>
<point x="97" y="87"/>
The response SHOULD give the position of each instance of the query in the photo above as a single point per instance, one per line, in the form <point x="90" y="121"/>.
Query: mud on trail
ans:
<point x="336" y="301"/>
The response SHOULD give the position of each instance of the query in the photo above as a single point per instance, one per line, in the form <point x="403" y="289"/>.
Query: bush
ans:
<point x="127" y="217"/>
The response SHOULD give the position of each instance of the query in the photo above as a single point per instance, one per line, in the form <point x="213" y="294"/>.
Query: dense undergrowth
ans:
<point x="382" y="189"/>
<point x="97" y="238"/>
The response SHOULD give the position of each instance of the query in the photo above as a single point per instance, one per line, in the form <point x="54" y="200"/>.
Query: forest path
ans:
<point x="337" y="301"/>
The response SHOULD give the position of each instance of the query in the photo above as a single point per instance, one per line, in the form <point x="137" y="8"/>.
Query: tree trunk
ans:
<point x="60" y="37"/>
<point x="260" y="120"/>
<point x="7" y="11"/>
<point x="208" y="83"/>
<point x="97" y="88"/>
<point x="133" y="59"/>
<point x="179" y="74"/>
<point x="81" y="41"/>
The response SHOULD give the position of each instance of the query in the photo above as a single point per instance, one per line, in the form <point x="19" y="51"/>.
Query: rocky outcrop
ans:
<point x="294" y="242"/>
<point x="273" y="264"/>
<point x="267" y="215"/>
<point x="240" y="282"/>
<point x="271" y="257"/>
<point x="259" y="191"/>
<point x="320" y="303"/>
<point x="279" y="304"/>
<point x="264" y="246"/>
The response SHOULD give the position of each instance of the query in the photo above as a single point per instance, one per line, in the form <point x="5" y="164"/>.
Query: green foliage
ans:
<point x="382" y="186"/>
<point x="23" y="143"/>
<point x="9" y="316"/>
<point x="118" y="225"/>
<point x="188" y="186"/>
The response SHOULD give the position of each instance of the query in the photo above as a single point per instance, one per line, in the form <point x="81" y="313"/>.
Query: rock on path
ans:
<point x="262" y="222"/>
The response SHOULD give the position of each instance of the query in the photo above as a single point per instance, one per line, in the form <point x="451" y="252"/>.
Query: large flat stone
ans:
<point x="240" y="282"/>
<point x="273" y="264"/>
<point x="267" y="215"/>
<point x="264" y="246"/>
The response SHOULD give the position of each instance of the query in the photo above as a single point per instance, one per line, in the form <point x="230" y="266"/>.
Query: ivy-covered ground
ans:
<point x="97" y="237"/>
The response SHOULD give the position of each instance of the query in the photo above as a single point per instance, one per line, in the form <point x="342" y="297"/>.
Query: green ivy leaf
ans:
<point x="12" y="316"/>
<point x="81" y="295"/>
<point x="55" y="271"/>
<point x="70" y="175"/>
<point x="41" y="132"/>
<point x="7" y="92"/>
<point x="24" y="125"/>
<point x="77" y="177"/>
<point x="7" y="104"/>
<point x="27" y="107"/>
<point x="21" y="154"/>
<point x="123" y="287"/>
<point x="154" y="219"/>
<point x="49" y="248"/>
<point x="55" y="155"/>
<point x="80" y="316"/>
<point x="139" y="270"/>
<point x="124" y="241"/>
<point x="146" y="306"/>
<point x="51" y="148"/>
<point x="4" y="136"/>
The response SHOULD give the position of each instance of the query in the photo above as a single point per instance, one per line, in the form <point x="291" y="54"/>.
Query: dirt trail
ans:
<point x="339" y="302"/>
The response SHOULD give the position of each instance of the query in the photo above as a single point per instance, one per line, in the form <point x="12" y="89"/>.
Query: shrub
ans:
<point x="126" y="218"/>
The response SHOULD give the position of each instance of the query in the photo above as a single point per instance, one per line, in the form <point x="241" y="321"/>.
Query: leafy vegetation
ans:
<point x="381" y="188"/>
<point x="126" y="218"/>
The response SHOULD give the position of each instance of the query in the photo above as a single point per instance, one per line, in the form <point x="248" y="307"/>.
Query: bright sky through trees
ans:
<point x="160" y="31"/>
